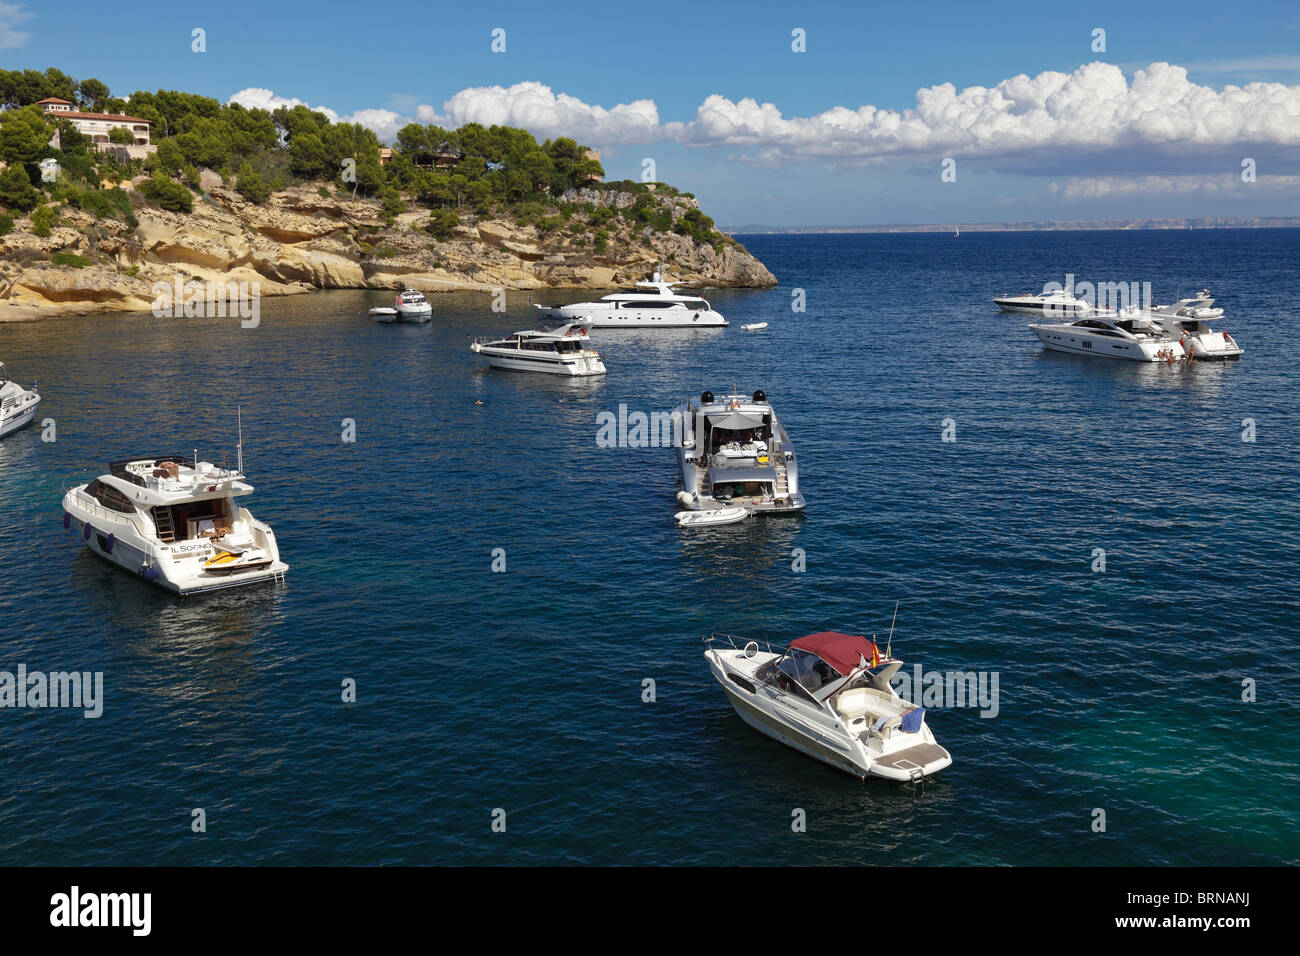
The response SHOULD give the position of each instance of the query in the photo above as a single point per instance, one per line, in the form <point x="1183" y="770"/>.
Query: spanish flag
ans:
<point x="875" y="656"/>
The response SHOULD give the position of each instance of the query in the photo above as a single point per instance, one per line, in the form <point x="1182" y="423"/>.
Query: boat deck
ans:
<point x="913" y="757"/>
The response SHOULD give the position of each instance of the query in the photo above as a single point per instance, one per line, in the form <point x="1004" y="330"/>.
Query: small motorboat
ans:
<point x="711" y="516"/>
<point x="17" y="404"/>
<point x="412" y="306"/>
<point x="828" y="695"/>
<point x="754" y="326"/>
<point x="384" y="315"/>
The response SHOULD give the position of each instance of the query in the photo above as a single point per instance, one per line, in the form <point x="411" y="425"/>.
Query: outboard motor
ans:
<point x="760" y="395"/>
<point x="706" y="398"/>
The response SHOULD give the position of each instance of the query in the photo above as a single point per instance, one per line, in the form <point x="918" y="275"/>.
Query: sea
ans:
<point x="1112" y="546"/>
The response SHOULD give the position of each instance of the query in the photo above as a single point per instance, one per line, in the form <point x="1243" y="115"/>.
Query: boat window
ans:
<point x="650" y="305"/>
<point x="109" y="497"/>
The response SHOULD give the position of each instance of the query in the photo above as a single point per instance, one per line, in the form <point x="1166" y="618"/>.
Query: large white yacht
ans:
<point x="561" y="349"/>
<point x="1135" y="337"/>
<point x="17" y="404"/>
<point x="1058" y="304"/>
<point x="175" y="522"/>
<point x="734" y="452"/>
<point x="651" y="305"/>
<point x="828" y="696"/>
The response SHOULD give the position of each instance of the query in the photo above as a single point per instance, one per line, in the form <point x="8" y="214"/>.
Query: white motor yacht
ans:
<point x="651" y="305"/>
<point x="175" y="522"/>
<point x="412" y="306"/>
<point x="559" y="349"/>
<point x="1134" y="337"/>
<point x="828" y="696"/>
<point x="1058" y="304"/>
<point x="17" y="404"/>
<point x="734" y="452"/>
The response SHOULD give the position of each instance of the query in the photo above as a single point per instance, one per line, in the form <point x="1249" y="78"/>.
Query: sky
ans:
<point x="1174" y="109"/>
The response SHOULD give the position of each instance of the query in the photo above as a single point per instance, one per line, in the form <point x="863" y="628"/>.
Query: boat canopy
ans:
<point x="844" y="652"/>
<point x="736" y="420"/>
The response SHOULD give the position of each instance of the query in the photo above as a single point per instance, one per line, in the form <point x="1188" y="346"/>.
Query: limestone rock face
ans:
<point x="300" y="240"/>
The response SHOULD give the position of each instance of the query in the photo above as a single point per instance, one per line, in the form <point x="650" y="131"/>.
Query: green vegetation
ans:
<point x="473" y="171"/>
<point x="44" y="219"/>
<point x="69" y="259"/>
<point x="6" y="225"/>
<point x="167" y="193"/>
<point x="16" y="190"/>
<point x="251" y="185"/>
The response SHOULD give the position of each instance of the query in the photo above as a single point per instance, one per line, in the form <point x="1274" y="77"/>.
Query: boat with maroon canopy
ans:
<point x="828" y="696"/>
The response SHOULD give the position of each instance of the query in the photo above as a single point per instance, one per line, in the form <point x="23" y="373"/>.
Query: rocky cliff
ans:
<point x="300" y="240"/>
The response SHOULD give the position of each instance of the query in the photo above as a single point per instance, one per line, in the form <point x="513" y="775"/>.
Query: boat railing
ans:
<point x="98" y="510"/>
<point x="737" y="643"/>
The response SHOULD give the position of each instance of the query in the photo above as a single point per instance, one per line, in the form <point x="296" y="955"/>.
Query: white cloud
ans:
<point x="1227" y="184"/>
<point x="1091" y="121"/>
<point x="11" y="15"/>
<point x="546" y="114"/>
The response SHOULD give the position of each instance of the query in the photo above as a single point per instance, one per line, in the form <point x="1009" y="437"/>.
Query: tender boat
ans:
<point x="754" y="326"/>
<point x="828" y="696"/>
<point x="561" y="349"/>
<point x="175" y="522"/>
<point x="651" y="305"/>
<point x="384" y="315"/>
<point x="1059" y="304"/>
<point x="734" y="451"/>
<point x="1134" y="337"/>
<point x="708" y="517"/>
<point x="17" y="404"/>
<point x="412" y="306"/>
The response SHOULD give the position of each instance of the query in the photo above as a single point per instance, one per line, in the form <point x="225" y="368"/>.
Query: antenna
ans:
<point x="239" y="446"/>
<point x="889" y="649"/>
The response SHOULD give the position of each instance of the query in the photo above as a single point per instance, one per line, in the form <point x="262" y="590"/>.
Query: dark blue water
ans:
<point x="522" y="690"/>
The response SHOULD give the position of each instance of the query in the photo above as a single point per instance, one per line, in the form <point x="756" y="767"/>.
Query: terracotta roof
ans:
<point x="103" y="116"/>
<point x="54" y="99"/>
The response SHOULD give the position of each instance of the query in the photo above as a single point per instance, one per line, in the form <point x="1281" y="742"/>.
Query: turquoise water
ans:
<point x="522" y="690"/>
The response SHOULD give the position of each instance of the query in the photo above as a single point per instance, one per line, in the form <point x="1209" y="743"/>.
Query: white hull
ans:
<point x="579" y="365"/>
<point x="815" y="732"/>
<point x="12" y="420"/>
<point x="1212" y="346"/>
<point x="124" y="540"/>
<point x="674" y="318"/>
<point x="1064" y="338"/>
<point x="1057" y="310"/>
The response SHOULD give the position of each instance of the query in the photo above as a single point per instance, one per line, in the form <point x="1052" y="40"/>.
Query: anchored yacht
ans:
<point x="735" y="453"/>
<point x="1056" y="304"/>
<point x="651" y="305"/>
<point x="412" y="306"/>
<point x="17" y="404"/>
<point x="828" y="696"/>
<point x="559" y="349"/>
<point x="175" y="522"/>
<point x="1135" y="338"/>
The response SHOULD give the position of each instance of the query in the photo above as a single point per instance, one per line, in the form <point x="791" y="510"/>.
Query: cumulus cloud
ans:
<point x="1092" y="121"/>
<point x="546" y="114"/>
<point x="384" y="122"/>
<point x="1094" y="112"/>
<point x="11" y="16"/>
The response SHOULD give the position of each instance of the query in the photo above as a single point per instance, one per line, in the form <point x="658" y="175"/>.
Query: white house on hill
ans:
<point x="96" y="126"/>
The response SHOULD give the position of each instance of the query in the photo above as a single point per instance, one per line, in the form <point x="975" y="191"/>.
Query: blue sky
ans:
<point x="1074" y="145"/>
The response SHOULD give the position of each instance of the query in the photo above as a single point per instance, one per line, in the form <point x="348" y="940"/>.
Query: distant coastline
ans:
<point x="1079" y="225"/>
